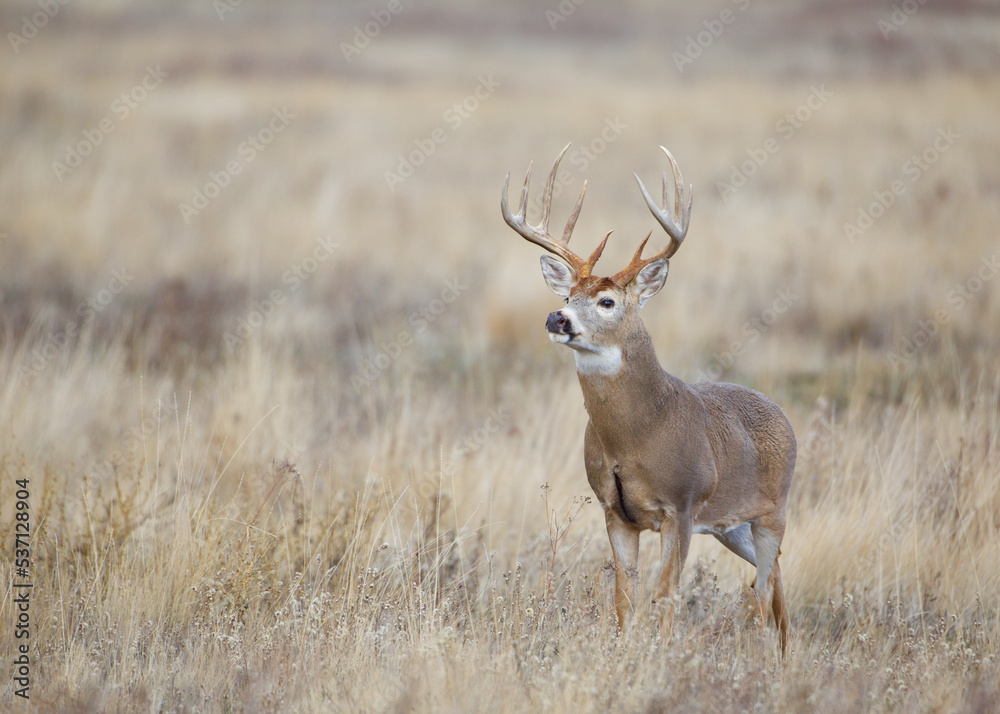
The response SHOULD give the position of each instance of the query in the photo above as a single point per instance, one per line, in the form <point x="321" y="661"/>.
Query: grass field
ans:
<point x="275" y="378"/>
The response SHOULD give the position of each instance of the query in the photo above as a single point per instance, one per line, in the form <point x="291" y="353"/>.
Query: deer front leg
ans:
<point x="625" y="546"/>
<point x="675" y="539"/>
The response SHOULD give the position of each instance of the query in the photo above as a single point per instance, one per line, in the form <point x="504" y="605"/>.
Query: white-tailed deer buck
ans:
<point x="661" y="454"/>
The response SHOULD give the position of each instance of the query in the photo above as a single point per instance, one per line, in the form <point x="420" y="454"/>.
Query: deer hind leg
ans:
<point x="675" y="539"/>
<point x="779" y="609"/>
<point x="740" y="541"/>
<point x="625" y="546"/>
<point x="767" y="534"/>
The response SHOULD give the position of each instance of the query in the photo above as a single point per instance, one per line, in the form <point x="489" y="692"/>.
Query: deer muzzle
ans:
<point x="558" y="324"/>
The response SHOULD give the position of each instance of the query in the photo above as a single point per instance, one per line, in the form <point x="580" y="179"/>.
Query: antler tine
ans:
<point x="681" y="210"/>
<point x="539" y="235"/>
<point x="547" y="194"/>
<point x="675" y="222"/>
<point x="504" y="205"/>
<point x="571" y="223"/>
<point x="522" y="205"/>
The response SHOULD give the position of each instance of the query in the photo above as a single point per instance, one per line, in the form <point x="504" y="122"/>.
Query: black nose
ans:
<point x="557" y="322"/>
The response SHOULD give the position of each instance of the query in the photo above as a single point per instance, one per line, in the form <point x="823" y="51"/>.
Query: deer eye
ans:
<point x="606" y="302"/>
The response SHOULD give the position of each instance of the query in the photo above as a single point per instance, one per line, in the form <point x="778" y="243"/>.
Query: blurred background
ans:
<point x="243" y="239"/>
<point x="117" y="115"/>
<point x="346" y="159"/>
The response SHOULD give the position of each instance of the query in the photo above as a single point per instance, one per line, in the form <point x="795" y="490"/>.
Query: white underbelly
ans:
<point x="714" y="530"/>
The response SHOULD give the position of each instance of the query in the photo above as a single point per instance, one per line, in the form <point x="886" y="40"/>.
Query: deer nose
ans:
<point x="557" y="322"/>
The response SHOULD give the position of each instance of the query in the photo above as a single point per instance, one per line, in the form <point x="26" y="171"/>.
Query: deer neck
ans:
<point x="625" y="389"/>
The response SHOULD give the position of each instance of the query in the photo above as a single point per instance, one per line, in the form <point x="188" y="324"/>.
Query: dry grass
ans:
<point x="284" y="520"/>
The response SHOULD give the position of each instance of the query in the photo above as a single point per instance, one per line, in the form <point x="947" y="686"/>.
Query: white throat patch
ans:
<point x="606" y="361"/>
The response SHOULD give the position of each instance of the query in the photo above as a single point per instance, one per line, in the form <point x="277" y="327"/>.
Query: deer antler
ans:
<point x="539" y="235"/>
<point x="675" y="222"/>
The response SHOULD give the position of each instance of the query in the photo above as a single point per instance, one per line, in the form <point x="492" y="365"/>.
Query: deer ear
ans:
<point x="558" y="276"/>
<point x="649" y="280"/>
